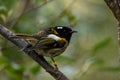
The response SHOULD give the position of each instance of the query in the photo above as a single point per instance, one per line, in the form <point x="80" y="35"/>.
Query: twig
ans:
<point x="38" y="6"/>
<point x="26" y="3"/>
<point x="39" y="59"/>
<point x="63" y="12"/>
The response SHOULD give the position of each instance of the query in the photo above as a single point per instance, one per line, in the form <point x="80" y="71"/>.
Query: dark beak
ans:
<point x="73" y="31"/>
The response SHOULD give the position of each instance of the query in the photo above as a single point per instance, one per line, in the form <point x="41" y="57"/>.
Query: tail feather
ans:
<point x="30" y="38"/>
<point x="25" y="36"/>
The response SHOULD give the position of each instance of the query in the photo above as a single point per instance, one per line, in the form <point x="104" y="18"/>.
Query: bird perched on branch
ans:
<point x="49" y="42"/>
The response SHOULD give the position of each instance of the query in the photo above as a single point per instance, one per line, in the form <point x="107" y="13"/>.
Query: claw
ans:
<point x="54" y="63"/>
<point x="27" y="48"/>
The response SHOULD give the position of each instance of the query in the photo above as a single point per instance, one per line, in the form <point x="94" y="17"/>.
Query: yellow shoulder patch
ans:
<point x="54" y="31"/>
<point x="63" y="39"/>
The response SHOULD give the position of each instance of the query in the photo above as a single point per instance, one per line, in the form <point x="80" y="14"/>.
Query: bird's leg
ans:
<point x="54" y="63"/>
<point x="56" y="67"/>
<point x="30" y="47"/>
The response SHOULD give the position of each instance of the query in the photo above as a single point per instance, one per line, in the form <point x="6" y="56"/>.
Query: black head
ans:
<point x="65" y="32"/>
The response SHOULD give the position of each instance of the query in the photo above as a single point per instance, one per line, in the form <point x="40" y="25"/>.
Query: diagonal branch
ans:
<point x="39" y="59"/>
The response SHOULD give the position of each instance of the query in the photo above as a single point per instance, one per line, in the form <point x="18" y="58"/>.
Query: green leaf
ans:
<point x="95" y="61"/>
<point x="9" y="52"/>
<point x="10" y="12"/>
<point x="9" y="3"/>
<point x="3" y="62"/>
<point x="2" y="17"/>
<point x="35" y="69"/>
<point x="14" y="73"/>
<point x="102" y="44"/>
<point x="3" y="13"/>
<point x="111" y="69"/>
<point x="73" y="20"/>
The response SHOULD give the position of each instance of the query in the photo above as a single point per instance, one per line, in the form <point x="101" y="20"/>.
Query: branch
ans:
<point x="24" y="7"/>
<point x="37" y="6"/>
<point x="39" y="59"/>
<point x="114" y="5"/>
<point x="63" y="11"/>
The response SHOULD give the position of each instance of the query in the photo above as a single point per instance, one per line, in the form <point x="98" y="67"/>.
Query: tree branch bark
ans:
<point x="6" y="33"/>
<point x="114" y="5"/>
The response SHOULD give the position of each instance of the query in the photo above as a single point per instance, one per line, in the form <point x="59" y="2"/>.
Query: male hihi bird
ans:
<point x="50" y="42"/>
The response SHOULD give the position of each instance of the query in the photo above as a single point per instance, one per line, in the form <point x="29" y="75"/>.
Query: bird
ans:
<point x="50" y="42"/>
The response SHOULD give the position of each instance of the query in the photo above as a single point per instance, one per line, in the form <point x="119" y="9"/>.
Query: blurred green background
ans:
<point x="92" y="53"/>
